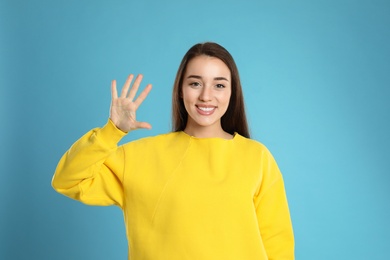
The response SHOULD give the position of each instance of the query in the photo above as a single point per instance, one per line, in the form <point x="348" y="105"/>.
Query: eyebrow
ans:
<point x="199" y="77"/>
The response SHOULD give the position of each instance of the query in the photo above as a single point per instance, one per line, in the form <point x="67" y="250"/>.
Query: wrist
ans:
<point x="117" y="127"/>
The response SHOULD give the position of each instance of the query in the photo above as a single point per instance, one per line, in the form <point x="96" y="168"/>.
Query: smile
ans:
<point x="205" y="110"/>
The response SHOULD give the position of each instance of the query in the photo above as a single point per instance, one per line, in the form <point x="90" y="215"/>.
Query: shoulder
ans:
<point x="251" y="144"/>
<point x="171" y="144"/>
<point x="155" y="141"/>
<point x="254" y="149"/>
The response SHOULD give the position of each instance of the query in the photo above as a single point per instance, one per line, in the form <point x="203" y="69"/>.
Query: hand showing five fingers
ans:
<point x="123" y="108"/>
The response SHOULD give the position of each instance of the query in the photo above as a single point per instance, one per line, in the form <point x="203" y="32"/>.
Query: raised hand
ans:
<point x="123" y="109"/>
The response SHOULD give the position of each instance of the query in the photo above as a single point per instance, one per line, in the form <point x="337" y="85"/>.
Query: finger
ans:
<point x="135" y="87"/>
<point x="125" y="88"/>
<point x="114" y="93"/>
<point x="143" y="125"/>
<point x="143" y="95"/>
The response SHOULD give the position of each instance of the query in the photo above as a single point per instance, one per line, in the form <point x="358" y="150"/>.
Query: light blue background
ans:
<point x="316" y="81"/>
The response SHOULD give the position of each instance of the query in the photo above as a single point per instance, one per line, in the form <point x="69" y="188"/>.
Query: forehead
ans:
<point x="207" y="66"/>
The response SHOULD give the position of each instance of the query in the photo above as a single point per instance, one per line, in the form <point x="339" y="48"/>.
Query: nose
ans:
<point x="205" y="94"/>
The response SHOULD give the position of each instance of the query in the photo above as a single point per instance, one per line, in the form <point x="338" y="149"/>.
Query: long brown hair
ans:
<point x="234" y="120"/>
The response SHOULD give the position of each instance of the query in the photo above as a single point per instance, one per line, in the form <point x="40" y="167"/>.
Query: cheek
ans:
<point x="187" y="100"/>
<point x="225" y="98"/>
<point x="189" y="95"/>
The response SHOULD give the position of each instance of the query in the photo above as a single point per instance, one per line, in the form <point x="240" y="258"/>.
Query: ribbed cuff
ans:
<point x="110" y="134"/>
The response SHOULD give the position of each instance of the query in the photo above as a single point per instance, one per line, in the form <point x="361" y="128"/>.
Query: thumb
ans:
<point x="144" y="125"/>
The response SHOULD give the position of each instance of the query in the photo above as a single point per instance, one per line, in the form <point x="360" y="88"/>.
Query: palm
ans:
<point x="123" y="108"/>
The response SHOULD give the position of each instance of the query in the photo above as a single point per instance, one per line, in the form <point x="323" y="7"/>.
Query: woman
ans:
<point x="204" y="191"/>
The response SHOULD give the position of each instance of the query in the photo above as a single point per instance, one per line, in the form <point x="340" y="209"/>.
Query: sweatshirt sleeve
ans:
<point x="91" y="171"/>
<point x="272" y="212"/>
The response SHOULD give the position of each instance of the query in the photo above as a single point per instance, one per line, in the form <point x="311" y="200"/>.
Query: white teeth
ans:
<point x="206" y="109"/>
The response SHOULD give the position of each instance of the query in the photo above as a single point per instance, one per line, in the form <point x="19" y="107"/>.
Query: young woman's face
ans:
<point x="206" y="93"/>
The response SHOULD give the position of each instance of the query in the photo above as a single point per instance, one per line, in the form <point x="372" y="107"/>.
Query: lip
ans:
<point x="205" y="110"/>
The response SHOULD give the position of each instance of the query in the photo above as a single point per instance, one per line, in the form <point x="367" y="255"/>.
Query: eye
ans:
<point x="220" y="86"/>
<point x="195" y="84"/>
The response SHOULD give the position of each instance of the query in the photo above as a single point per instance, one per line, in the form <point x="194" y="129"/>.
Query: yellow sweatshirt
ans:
<point x="184" y="197"/>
